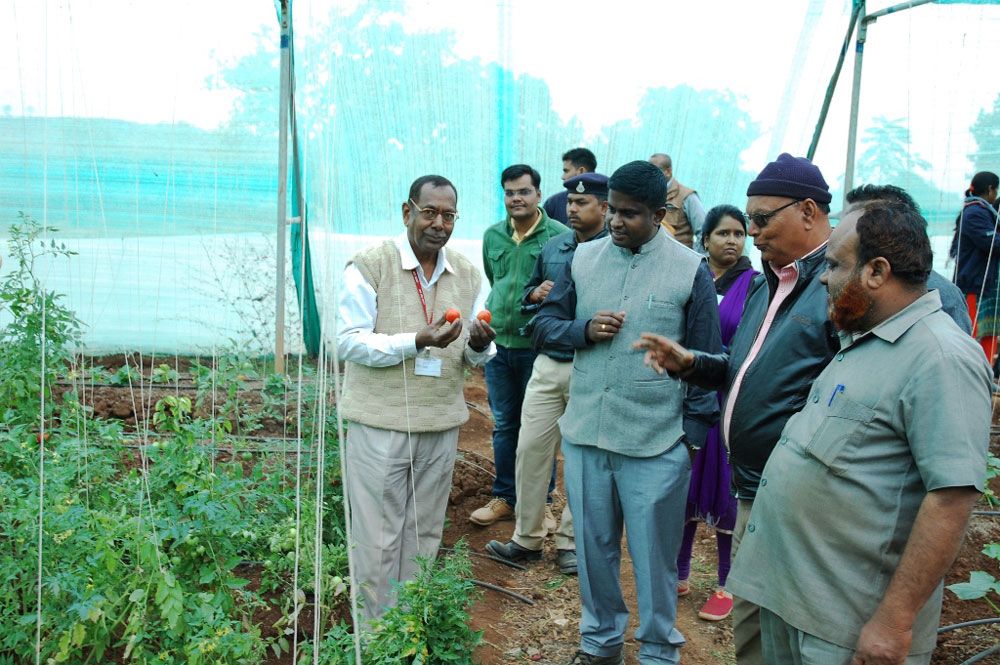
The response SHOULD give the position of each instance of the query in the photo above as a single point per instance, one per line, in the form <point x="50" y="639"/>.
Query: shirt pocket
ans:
<point x="499" y="260"/>
<point x="838" y="435"/>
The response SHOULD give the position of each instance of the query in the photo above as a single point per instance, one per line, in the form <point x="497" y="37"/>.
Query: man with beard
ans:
<point x="952" y="298"/>
<point x="548" y="389"/>
<point x="863" y="505"/>
<point x="782" y="343"/>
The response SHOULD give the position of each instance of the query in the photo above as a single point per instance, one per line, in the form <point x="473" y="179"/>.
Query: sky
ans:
<point x="154" y="62"/>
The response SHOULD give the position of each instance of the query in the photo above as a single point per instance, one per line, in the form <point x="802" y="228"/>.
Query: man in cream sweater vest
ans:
<point x="404" y="372"/>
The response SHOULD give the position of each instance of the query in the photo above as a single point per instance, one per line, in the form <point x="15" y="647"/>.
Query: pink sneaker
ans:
<point x="683" y="588"/>
<point x="718" y="606"/>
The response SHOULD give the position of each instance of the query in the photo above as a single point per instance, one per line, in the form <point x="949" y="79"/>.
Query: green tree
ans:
<point x="986" y="131"/>
<point x="887" y="157"/>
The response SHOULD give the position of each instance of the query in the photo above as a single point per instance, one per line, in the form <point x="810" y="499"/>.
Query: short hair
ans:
<point x="981" y="182"/>
<point x="434" y="181"/>
<point x="516" y="171"/>
<point x="581" y="158"/>
<point x="887" y="193"/>
<point x="641" y="181"/>
<point x="714" y="217"/>
<point x="665" y="157"/>
<point x="898" y="233"/>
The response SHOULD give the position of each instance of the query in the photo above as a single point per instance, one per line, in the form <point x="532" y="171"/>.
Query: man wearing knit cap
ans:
<point x="783" y="341"/>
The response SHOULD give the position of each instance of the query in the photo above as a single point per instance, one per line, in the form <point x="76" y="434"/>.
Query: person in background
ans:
<point x="952" y="298"/>
<point x="976" y="250"/>
<point x="510" y="248"/>
<point x="548" y="390"/>
<point x="403" y="384"/>
<point x="710" y="498"/>
<point x="626" y="430"/>
<point x="685" y="213"/>
<point x="574" y="162"/>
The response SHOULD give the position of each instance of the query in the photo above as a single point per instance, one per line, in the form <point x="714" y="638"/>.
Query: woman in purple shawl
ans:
<point x="709" y="498"/>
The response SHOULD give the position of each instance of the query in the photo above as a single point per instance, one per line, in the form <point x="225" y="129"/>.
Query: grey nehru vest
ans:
<point x="615" y="402"/>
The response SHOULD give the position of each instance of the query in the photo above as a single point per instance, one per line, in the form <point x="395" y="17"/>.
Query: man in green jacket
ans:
<point x="510" y="248"/>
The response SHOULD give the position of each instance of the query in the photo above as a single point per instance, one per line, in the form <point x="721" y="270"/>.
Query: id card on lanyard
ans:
<point x="425" y="364"/>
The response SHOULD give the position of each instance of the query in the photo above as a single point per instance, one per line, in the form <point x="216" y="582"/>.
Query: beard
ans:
<point x="850" y="307"/>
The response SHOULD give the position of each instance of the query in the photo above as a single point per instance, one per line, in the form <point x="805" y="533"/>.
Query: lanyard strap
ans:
<point x="423" y="301"/>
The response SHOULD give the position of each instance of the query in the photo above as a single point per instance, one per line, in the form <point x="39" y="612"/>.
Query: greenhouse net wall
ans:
<point x="143" y="139"/>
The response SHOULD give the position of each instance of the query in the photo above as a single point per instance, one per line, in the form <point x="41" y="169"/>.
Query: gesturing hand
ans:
<point x="541" y="291"/>
<point x="664" y="355"/>
<point x="881" y="644"/>
<point x="480" y="335"/>
<point x="604" y="325"/>
<point x="439" y="334"/>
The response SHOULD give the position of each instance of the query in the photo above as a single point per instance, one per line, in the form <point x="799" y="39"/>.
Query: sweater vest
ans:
<point x="675" y="217"/>
<point x="381" y="396"/>
<point x="616" y="402"/>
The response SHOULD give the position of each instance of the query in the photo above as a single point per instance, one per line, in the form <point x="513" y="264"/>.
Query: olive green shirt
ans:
<point x="902" y="410"/>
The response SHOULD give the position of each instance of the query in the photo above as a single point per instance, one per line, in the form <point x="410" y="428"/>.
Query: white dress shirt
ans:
<point x="357" y="340"/>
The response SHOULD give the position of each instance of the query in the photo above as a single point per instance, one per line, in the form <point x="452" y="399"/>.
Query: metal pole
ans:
<point x="279" y="293"/>
<point x="855" y="11"/>
<point x="852" y="134"/>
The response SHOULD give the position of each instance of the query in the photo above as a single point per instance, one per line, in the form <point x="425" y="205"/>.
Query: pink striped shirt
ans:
<point x="787" y="277"/>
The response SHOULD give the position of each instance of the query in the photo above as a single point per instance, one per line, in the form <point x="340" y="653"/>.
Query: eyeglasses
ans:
<point x="761" y="219"/>
<point x="430" y="214"/>
<point x="511" y="193"/>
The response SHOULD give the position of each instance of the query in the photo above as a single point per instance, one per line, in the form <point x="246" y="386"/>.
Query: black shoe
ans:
<point x="513" y="552"/>
<point x="566" y="560"/>
<point x="584" y="658"/>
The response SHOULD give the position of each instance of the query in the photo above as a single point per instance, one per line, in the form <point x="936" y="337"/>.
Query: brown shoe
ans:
<point x="550" y="520"/>
<point x="494" y="511"/>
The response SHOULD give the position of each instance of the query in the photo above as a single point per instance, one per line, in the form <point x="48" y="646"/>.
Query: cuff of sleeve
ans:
<point x="408" y="344"/>
<point x="695" y="432"/>
<point x="578" y="334"/>
<point x="479" y="358"/>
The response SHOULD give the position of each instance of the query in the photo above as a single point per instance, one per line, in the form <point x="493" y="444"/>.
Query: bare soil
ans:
<point x="547" y="630"/>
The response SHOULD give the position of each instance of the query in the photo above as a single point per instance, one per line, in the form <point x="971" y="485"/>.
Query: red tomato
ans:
<point x="451" y="315"/>
<point x="485" y="316"/>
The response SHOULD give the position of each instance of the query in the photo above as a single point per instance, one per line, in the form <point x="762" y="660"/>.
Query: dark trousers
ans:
<point x="507" y="377"/>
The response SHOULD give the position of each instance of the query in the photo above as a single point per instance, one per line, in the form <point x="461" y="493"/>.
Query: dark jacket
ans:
<point x="555" y="206"/>
<point x="976" y="236"/>
<point x="551" y="263"/>
<point x="799" y="344"/>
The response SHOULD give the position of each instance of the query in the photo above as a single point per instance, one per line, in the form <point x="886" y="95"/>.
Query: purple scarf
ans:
<point x="709" y="496"/>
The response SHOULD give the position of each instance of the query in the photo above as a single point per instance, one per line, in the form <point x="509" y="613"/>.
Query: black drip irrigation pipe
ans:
<point x="505" y="562"/>
<point x="494" y="587"/>
<point x="966" y="624"/>
<point x="988" y="513"/>
<point x="982" y="654"/>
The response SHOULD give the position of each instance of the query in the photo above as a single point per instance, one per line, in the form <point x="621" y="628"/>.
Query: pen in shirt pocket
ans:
<point x="838" y="389"/>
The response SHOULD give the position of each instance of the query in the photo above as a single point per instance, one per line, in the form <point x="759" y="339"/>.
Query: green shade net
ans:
<point x="162" y="173"/>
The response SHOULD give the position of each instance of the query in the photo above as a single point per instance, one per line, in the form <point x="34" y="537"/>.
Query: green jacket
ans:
<point x="508" y="266"/>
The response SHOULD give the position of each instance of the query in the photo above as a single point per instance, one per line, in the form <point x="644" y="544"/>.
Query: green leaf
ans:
<point x="992" y="550"/>
<point x="980" y="583"/>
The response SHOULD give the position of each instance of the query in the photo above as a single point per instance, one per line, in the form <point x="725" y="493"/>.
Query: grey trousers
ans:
<point x="537" y="442"/>
<point x="784" y="644"/>
<point x="398" y="489"/>
<point x="746" y="615"/>
<point x="646" y="496"/>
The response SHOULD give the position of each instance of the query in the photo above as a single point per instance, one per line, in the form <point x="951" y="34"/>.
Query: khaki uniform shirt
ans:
<point x="902" y="410"/>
